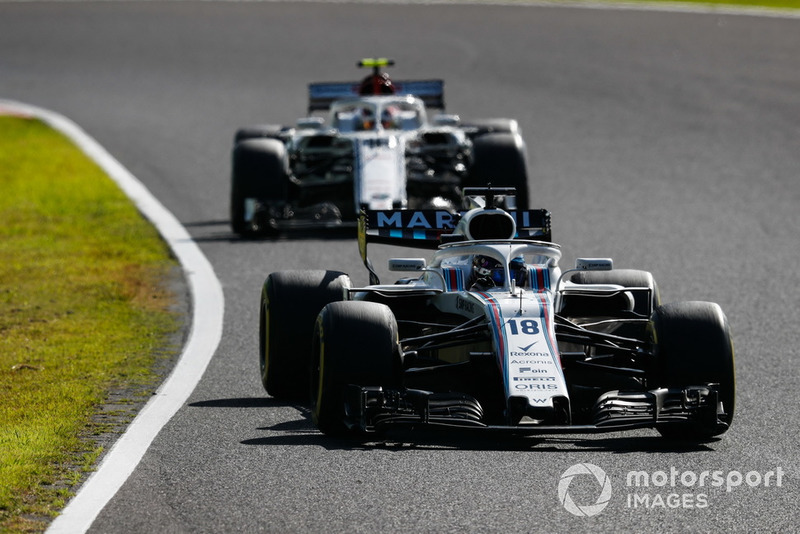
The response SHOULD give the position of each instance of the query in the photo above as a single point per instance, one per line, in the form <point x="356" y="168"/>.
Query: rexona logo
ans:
<point x="583" y="474"/>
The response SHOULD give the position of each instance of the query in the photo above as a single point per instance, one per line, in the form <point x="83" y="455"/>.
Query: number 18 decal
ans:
<point x="526" y="326"/>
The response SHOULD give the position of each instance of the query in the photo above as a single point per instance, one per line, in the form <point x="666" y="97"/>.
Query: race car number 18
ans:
<point x="527" y="326"/>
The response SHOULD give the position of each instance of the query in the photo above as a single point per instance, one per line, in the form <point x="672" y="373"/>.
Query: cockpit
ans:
<point x="530" y="267"/>
<point x="380" y="113"/>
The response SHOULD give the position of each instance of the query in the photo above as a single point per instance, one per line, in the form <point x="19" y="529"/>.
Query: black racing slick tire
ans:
<point x="260" y="170"/>
<point x="290" y="303"/>
<point x="693" y="347"/>
<point x="489" y="126"/>
<point x="355" y="342"/>
<point x="499" y="159"/>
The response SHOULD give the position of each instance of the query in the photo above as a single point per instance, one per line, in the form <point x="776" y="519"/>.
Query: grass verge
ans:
<point x="85" y="312"/>
<point x="771" y="4"/>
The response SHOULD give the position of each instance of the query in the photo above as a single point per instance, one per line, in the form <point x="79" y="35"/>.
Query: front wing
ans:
<point x="372" y="409"/>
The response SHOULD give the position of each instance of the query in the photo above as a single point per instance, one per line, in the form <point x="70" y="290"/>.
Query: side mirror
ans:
<point x="594" y="264"/>
<point x="407" y="264"/>
<point x="582" y="264"/>
<point x="313" y="123"/>
<point x="447" y="120"/>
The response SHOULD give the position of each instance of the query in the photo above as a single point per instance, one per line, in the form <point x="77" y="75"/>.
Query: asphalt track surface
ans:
<point x="670" y="142"/>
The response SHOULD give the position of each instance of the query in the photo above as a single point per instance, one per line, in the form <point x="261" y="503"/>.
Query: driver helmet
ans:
<point x="389" y="117"/>
<point x="487" y="271"/>
<point x="376" y="84"/>
<point x="367" y="119"/>
<point x="518" y="271"/>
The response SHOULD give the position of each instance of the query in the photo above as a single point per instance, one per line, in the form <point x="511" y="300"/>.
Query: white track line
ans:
<point x="204" y="336"/>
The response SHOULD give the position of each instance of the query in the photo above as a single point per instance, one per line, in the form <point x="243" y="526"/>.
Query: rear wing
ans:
<point x="428" y="229"/>
<point x="322" y="95"/>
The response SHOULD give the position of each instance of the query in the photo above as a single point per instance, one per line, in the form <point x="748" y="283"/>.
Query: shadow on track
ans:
<point x="302" y="432"/>
<point x="243" y="402"/>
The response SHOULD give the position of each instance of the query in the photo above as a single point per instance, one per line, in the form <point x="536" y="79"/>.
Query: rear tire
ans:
<point x="260" y="131"/>
<point x="260" y="170"/>
<point x="492" y="126"/>
<point x="499" y="159"/>
<point x="693" y="347"/>
<point x="290" y="303"/>
<point x="355" y="342"/>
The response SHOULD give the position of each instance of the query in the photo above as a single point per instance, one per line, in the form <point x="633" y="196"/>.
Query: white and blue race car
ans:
<point x="492" y="335"/>
<point x="375" y="149"/>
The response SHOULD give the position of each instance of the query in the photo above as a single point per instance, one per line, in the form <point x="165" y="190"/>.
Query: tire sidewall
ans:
<point x="693" y="346"/>
<point x="290" y="303"/>
<point x="355" y="342"/>
<point x="260" y="170"/>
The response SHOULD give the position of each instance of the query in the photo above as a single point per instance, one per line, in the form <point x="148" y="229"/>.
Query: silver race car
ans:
<point x="376" y="148"/>
<point x="492" y="335"/>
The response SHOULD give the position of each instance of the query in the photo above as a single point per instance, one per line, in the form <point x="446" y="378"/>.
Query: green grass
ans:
<point x="775" y="4"/>
<point x="781" y="4"/>
<point x="83" y="311"/>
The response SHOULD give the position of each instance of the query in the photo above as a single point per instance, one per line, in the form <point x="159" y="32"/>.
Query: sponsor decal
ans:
<point x="536" y="387"/>
<point x="378" y="142"/>
<point x="465" y="305"/>
<point x="439" y="219"/>
<point x="405" y="266"/>
<point x="517" y="354"/>
<point x="534" y="379"/>
<point x="413" y="219"/>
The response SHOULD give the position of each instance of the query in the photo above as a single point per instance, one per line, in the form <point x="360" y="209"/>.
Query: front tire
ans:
<point x="693" y="347"/>
<point x="290" y="303"/>
<point x="355" y="342"/>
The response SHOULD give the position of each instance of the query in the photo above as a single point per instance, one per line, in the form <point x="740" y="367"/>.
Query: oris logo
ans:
<point x="538" y="387"/>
